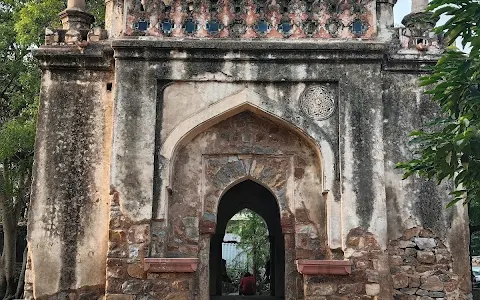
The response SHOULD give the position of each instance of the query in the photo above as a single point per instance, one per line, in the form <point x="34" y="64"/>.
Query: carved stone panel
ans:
<point x="318" y="101"/>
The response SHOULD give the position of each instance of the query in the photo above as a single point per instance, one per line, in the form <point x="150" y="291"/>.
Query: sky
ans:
<point x="400" y="10"/>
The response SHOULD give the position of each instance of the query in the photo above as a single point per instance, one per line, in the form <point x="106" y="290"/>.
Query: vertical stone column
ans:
<point x="419" y="5"/>
<point x="292" y="277"/>
<point x="385" y="19"/>
<point x="114" y="24"/>
<point x="80" y="4"/>
<point x="203" y="272"/>
<point x="67" y="228"/>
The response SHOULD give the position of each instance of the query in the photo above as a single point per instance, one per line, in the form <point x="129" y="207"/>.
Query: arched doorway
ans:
<point x="223" y="158"/>
<point x="251" y="195"/>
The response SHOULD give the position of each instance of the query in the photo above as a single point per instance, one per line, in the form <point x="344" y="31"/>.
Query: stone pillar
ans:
<point x="114" y="18"/>
<point x="76" y="3"/>
<point x="385" y="19"/>
<point x="419" y="5"/>
<point x="70" y="191"/>
<point x="204" y="282"/>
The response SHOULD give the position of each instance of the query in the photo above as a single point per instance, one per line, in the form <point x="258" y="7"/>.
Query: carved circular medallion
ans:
<point x="318" y="101"/>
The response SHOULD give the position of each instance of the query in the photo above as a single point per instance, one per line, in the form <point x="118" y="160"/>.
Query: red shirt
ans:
<point x="247" y="286"/>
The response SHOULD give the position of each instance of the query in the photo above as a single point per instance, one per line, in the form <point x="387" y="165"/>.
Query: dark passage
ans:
<point x="253" y="196"/>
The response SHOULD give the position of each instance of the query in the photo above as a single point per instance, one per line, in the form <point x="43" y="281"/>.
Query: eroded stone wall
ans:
<point x="422" y="267"/>
<point x="361" y="134"/>
<point x="369" y="278"/>
<point x="416" y="202"/>
<point x="126" y="277"/>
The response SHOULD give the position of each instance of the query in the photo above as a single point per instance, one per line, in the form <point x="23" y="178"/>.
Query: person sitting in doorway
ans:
<point x="247" y="285"/>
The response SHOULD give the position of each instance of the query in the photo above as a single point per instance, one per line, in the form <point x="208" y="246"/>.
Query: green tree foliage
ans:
<point x="449" y="148"/>
<point x="35" y="16"/>
<point x="19" y="85"/>
<point x="22" y="27"/>
<point x="254" y="240"/>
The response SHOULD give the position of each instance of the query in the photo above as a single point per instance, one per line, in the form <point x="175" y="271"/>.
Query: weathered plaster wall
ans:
<point x="168" y="95"/>
<point x="216" y="84"/>
<point x="67" y="232"/>
<point x="357" y="153"/>
<point x="415" y="202"/>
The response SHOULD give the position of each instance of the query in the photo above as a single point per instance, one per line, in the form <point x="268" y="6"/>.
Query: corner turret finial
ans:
<point x="418" y="32"/>
<point x="75" y="17"/>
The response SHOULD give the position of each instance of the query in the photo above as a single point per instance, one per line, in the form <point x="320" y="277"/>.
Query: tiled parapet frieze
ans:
<point x="293" y="19"/>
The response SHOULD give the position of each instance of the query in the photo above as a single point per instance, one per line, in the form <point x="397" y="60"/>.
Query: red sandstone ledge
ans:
<point x="324" y="267"/>
<point x="170" y="265"/>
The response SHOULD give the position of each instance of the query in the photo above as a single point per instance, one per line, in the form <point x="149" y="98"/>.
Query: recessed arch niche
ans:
<point x="247" y="146"/>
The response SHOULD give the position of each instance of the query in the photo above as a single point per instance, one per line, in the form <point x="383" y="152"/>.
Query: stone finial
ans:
<point x="75" y="17"/>
<point x="419" y="5"/>
<point x="419" y="26"/>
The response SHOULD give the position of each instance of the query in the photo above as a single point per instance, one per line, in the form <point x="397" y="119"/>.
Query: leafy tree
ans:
<point x="449" y="147"/>
<point x="22" y="27"/>
<point x="254" y="240"/>
<point x="19" y="82"/>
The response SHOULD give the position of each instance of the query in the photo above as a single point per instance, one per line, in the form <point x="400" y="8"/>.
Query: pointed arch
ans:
<point x="244" y="100"/>
<point x="273" y="205"/>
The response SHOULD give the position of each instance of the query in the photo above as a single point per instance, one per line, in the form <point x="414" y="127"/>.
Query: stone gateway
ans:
<point x="155" y="130"/>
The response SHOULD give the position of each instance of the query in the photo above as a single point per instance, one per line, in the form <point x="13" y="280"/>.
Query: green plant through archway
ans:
<point x="254" y="244"/>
